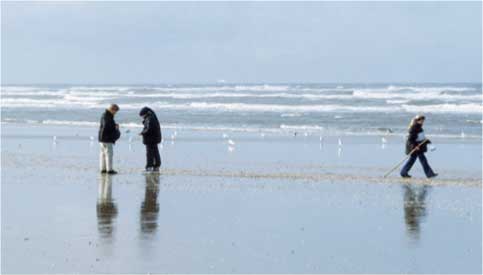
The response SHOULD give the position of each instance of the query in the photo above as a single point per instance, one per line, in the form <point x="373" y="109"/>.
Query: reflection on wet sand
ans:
<point x="150" y="205"/>
<point x="414" y="208"/>
<point x="106" y="207"/>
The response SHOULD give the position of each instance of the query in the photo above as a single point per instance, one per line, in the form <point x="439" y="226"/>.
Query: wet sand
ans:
<point x="270" y="204"/>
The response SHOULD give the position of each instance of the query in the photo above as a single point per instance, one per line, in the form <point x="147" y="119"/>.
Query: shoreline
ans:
<point x="267" y="132"/>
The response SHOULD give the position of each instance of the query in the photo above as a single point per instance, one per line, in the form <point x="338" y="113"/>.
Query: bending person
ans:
<point x="108" y="134"/>
<point x="151" y="138"/>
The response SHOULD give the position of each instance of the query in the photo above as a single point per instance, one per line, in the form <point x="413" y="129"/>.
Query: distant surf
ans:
<point x="452" y="108"/>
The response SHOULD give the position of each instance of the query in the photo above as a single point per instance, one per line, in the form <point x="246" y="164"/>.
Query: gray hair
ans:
<point x="114" y="107"/>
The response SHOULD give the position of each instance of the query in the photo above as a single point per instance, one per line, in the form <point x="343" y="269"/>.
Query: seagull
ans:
<point x="231" y="142"/>
<point x="383" y="140"/>
<point x="463" y="134"/>
<point x="321" y="139"/>
<point x="54" y="139"/>
<point x="306" y="134"/>
<point x="340" y="142"/>
<point x="231" y="149"/>
<point x="225" y="135"/>
<point x="262" y="135"/>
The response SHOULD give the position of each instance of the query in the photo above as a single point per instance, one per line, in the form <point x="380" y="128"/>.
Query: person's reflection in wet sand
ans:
<point x="106" y="207"/>
<point x="414" y="208"/>
<point x="150" y="205"/>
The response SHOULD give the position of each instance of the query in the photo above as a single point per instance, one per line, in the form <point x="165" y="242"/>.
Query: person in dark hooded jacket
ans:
<point x="151" y="138"/>
<point x="417" y="140"/>
<point x="108" y="134"/>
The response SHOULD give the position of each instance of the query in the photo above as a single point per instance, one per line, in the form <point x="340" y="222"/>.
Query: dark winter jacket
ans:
<point x="152" y="131"/>
<point x="411" y="142"/>
<point x="107" y="130"/>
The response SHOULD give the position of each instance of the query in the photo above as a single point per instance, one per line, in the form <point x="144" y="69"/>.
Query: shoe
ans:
<point x="148" y="169"/>
<point x="156" y="169"/>
<point x="407" y="176"/>
<point x="434" y="175"/>
<point x="112" y="172"/>
<point x="103" y="171"/>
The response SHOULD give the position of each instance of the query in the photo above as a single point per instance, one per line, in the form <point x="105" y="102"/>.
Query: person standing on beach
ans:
<point x="108" y="134"/>
<point x="151" y="138"/>
<point x="417" y="141"/>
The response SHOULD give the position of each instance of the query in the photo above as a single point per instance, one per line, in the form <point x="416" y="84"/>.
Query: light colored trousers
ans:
<point x="106" y="156"/>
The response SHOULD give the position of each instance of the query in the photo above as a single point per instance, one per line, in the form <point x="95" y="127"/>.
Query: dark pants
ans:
<point x="424" y="162"/>
<point x="152" y="156"/>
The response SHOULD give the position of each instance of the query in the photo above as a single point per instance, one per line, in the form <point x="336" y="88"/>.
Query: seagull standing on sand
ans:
<point x="225" y="136"/>
<point x="231" y="145"/>
<point x="54" y="139"/>
<point x="340" y="142"/>
<point x="463" y="135"/>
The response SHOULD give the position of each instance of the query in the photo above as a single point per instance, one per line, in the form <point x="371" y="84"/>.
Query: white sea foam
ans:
<point x="94" y="103"/>
<point x="469" y="108"/>
<point x="442" y="93"/>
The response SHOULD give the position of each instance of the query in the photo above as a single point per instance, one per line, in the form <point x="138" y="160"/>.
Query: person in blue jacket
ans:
<point x="417" y="140"/>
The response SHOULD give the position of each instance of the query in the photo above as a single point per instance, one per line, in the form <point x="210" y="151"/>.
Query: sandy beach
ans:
<point x="270" y="203"/>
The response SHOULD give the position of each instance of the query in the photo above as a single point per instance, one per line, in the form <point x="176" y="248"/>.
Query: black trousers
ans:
<point x="152" y="156"/>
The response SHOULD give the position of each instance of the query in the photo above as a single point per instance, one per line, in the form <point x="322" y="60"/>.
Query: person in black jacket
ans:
<point x="417" y="140"/>
<point x="151" y="138"/>
<point x="108" y="134"/>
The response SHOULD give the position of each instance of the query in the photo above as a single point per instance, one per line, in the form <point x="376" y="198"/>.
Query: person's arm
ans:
<point x="147" y="126"/>
<point x="413" y="135"/>
<point x="110" y="126"/>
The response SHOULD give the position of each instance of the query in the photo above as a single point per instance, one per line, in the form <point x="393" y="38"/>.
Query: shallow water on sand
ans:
<point x="60" y="216"/>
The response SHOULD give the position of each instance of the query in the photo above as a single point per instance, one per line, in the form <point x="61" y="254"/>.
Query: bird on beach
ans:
<point x="225" y="136"/>
<point x="231" y="142"/>
<point x="463" y="135"/>
<point x="231" y="149"/>
<point x="54" y="139"/>
<point x="383" y="140"/>
<point x="262" y="135"/>
<point x="340" y="142"/>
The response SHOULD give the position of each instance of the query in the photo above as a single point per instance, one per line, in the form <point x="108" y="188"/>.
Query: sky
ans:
<point x="243" y="42"/>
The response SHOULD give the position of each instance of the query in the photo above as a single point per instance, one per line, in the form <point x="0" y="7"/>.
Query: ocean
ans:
<point x="452" y="109"/>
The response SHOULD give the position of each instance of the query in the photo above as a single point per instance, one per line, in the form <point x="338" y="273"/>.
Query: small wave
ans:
<point x="445" y="108"/>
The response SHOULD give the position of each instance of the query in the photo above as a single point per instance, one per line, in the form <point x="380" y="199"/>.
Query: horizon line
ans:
<point x="235" y="83"/>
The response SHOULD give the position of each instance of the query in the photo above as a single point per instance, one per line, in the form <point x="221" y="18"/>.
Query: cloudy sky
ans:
<point x="155" y="42"/>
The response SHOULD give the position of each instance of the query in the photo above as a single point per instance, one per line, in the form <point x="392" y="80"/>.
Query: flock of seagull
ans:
<point x="231" y="144"/>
